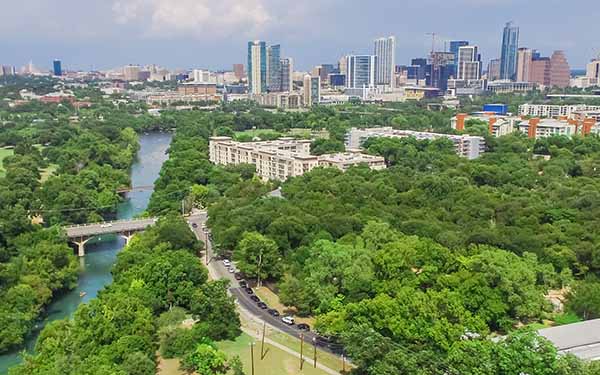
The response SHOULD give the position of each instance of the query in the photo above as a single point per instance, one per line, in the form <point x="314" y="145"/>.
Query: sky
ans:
<point x="213" y="34"/>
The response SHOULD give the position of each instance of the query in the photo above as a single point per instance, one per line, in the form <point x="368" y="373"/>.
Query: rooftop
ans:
<point x="581" y="339"/>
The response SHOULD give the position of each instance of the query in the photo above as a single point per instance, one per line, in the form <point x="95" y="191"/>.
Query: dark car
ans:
<point x="303" y="327"/>
<point x="255" y="298"/>
<point x="238" y="276"/>
<point x="273" y="312"/>
<point x="194" y="225"/>
<point x="243" y="284"/>
<point x="262" y="305"/>
<point x="249" y="290"/>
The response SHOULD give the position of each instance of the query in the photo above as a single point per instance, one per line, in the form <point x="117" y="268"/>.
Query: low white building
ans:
<point x="545" y="110"/>
<point x="283" y="158"/>
<point x="468" y="146"/>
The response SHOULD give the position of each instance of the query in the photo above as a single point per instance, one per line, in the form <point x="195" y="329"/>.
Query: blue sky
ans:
<point x="213" y="33"/>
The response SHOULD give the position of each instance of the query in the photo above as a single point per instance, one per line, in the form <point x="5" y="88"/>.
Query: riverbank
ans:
<point x="102" y="253"/>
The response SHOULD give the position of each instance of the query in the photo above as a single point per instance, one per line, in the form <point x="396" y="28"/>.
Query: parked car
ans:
<point x="289" y="320"/>
<point x="262" y="305"/>
<point x="243" y="284"/>
<point x="231" y="269"/>
<point x="194" y="225"/>
<point x="303" y="327"/>
<point x="106" y="225"/>
<point x="238" y="276"/>
<point x="254" y="298"/>
<point x="273" y="312"/>
<point x="249" y="290"/>
<point x="226" y="262"/>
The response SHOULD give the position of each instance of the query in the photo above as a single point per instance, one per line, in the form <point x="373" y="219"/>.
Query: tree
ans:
<point x="584" y="298"/>
<point x="206" y="359"/>
<point x="138" y="363"/>
<point x="257" y="256"/>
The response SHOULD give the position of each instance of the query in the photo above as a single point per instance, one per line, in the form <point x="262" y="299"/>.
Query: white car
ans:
<point x="231" y="270"/>
<point x="289" y="320"/>
<point x="226" y="262"/>
<point x="106" y="225"/>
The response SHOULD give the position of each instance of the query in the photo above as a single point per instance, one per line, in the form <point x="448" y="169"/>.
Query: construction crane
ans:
<point x="433" y="35"/>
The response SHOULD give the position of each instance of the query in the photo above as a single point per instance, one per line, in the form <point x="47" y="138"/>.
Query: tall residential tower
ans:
<point x="508" y="57"/>
<point x="257" y="67"/>
<point x="385" y="50"/>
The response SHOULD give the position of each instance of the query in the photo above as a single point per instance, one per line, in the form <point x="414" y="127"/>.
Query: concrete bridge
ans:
<point x="81" y="234"/>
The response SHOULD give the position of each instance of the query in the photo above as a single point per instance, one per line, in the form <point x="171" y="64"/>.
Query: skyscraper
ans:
<point x="287" y="68"/>
<point x="312" y="90"/>
<point x="131" y="72"/>
<point x="524" y="63"/>
<point x="560" y="72"/>
<point x="238" y="70"/>
<point x="454" y="46"/>
<point x="257" y="67"/>
<point x="360" y="71"/>
<point x="57" y="68"/>
<point x="469" y="63"/>
<point x="493" y="71"/>
<point x="540" y="70"/>
<point x="385" y="50"/>
<point x="508" y="58"/>
<point x="274" y="68"/>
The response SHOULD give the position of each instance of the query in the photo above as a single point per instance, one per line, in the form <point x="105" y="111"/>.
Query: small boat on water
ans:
<point x="82" y="294"/>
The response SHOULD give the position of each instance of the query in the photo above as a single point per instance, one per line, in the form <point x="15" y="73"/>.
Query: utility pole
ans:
<point x="262" y="344"/>
<point x="259" y="267"/>
<point x="301" y="350"/>
<point x="343" y="364"/>
<point x="315" y="351"/>
<point x="252" y="356"/>
<point x="206" y="244"/>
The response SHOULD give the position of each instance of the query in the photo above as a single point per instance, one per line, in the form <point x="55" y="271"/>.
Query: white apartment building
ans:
<point x="283" y="158"/>
<point x="467" y="146"/>
<point x="543" y="110"/>
<point x="548" y="127"/>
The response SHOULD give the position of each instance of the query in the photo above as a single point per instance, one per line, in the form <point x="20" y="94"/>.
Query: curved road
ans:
<point x="240" y="295"/>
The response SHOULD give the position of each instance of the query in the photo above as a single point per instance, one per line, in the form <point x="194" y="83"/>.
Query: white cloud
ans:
<point x="195" y="18"/>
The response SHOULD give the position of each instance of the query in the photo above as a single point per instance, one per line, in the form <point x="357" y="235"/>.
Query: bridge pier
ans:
<point x="81" y="245"/>
<point x="127" y="236"/>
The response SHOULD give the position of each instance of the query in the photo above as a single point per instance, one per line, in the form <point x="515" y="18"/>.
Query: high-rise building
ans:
<point x="593" y="69"/>
<point x="385" y="50"/>
<point x="287" y="68"/>
<point x="493" y="71"/>
<point x="454" y="46"/>
<point x="524" y="62"/>
<point x="343" y="65"/>
<point x="560" y="72"/>
<point x="238" y="70"/>
<point x="7" y="70"/>
<point x="311" y="90"/>
<point x="202" y="76"/>
<point x="360" y="71"/>
<point x="274" y="68"/>
<point x="469" y="63"/>
<point x="508" y="58"/>
<point x="131" y="72"/>
<point x="540" y="70"/>
<point x="257" y="67"/>
<point x="57" y="68"/>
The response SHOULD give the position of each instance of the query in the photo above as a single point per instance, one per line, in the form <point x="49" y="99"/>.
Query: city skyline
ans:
<point x="161" y="32"/>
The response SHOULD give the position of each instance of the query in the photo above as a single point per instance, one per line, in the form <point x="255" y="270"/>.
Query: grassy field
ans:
<point x="4" y="152"/>
<point x="47" y="172"/>
<point x="275" y="362"/>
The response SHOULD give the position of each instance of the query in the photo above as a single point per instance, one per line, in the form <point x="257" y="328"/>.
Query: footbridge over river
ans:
<point x="81" y="234"/>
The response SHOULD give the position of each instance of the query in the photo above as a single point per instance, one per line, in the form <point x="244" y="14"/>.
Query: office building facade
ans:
<point x="469" y="64"/>
<point x="360" y="71"/>
<point x="524" y="62"/>
<point x="508" y="58"/>
<point x="257" y="67"/>
<point x="57" y="68"/>
<point x="560" y="72"/>
<point x="454" y="46"/>
<point x="493" y="71"/>
<point x="238" y="70"/>
<point x="593" y="70"/>
<point x="311" y="90"/>
<point x="385" y="52"/>
<point x="287" y="68"/>
<point x="274" y="68"/>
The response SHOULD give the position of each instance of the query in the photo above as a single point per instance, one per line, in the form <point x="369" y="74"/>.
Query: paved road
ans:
<point x="218" y="269"/>
<point x="120" y="226"/>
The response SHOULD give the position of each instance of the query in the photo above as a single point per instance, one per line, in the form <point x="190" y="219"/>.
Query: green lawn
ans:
<point x="4" y="152"/>
<point x="47" y="172"/>
<point x="276" y="361"/>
